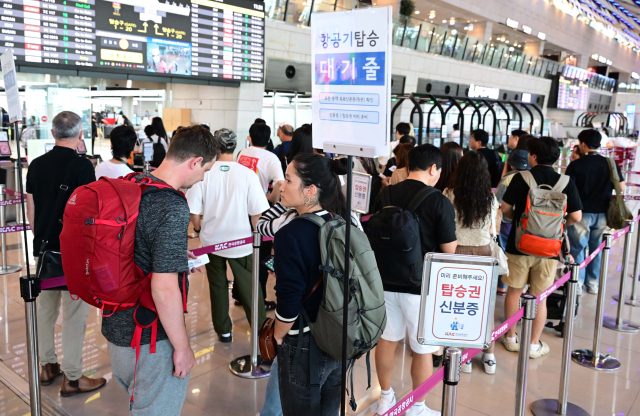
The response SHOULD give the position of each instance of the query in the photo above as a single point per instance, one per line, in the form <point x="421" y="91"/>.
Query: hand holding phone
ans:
<point x="269" y="263"/>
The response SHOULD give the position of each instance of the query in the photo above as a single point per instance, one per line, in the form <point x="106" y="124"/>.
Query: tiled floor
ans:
<point x="213" y="390"/>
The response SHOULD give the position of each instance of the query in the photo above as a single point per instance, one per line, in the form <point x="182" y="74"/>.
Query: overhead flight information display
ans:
<point x="197" y="38"/>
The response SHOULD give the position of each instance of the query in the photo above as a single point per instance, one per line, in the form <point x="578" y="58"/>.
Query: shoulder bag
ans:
<point x="49" y="261"/>
<point x="618" y="212"/>
<point x="496" y="250"/>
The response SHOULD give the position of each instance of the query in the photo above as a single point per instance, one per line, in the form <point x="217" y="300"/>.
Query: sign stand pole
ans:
<point x="345" y="286"/>
<point x="29" y="290"/>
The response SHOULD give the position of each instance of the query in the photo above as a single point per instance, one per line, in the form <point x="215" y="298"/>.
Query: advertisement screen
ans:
<point x="181" y="38"/>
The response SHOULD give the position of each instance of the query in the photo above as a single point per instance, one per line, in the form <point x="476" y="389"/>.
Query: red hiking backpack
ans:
<point x="97" y="249"/>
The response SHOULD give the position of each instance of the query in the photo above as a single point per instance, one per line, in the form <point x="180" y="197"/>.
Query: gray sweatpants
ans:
<point x="157" y="391"/>
<point x="74" y="323"/>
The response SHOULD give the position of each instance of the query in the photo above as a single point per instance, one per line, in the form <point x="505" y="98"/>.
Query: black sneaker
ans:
<point x="224" y="338"/>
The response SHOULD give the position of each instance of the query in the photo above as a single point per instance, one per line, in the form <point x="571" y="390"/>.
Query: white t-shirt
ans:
<point x="227" y="196"/>
<point x="154" y="139"/>
<point x="383" y="160"/>
<point x="264" y="163"/>
<point x="112" y="170"/>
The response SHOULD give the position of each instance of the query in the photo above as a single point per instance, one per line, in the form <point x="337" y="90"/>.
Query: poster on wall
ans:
<point x="351" y="64"/>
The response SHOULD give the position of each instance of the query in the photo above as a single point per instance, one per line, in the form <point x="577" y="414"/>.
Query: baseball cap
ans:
<point x="227" y="137"/>
<point x="518" y="159"/>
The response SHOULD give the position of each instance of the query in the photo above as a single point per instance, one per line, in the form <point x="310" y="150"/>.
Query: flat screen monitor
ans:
<point x="147" y="150"/>
<point x="204" y="39"/>
<point x="5" y="149"/>
<point x="82" y="148"/>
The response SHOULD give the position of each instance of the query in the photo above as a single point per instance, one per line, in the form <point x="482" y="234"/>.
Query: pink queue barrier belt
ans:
<point x="10" y="202"/>
<point x="12" y="193"/>
<point x="13" y="229"/>
<point x="52" y="283"/>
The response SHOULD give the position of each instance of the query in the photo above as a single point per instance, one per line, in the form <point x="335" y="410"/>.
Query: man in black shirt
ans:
<point x="46" y="175"/>
<point x="537" y="272"/>
<point x="592" y="177"/>
<point x="437" y="234"/>
<point x="478" y="142"/>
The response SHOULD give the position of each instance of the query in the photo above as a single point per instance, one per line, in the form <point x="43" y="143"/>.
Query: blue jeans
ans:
<point x="272" y="406"/>
<point x="588" y="233"/>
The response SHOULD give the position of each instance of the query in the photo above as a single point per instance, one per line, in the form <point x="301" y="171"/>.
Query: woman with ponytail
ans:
<point x="311" y="186"/>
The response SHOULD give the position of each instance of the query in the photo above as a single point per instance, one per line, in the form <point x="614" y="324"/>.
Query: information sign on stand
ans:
<point x="361" y="192"/>
<point x="458" y="299"/>
<point x="11" y="86"/>
<point x="351" y="62"/>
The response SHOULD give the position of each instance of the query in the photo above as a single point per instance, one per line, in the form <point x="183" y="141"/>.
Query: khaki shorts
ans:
<point x="539" y="273"/>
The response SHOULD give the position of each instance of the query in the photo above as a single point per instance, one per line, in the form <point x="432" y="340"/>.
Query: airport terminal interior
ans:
<point x="547" y="68"/>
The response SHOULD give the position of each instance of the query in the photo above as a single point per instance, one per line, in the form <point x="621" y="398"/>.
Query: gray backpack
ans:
<point x="367" y="312"/>
<point x="541" y="228"/>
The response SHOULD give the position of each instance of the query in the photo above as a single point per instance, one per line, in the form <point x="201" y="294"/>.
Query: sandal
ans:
<point x="269" y="305"/>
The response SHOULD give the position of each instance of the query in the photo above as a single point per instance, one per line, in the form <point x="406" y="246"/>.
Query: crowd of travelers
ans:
<point x="462" y="201"/>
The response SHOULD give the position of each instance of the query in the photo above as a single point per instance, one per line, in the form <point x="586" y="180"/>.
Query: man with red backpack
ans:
<point x="541" y="203"/>
<point x="160" y="379"/>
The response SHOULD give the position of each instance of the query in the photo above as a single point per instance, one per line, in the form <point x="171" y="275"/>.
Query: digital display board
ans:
<point x="573" y="89"/>
<point x="181" y="38"/>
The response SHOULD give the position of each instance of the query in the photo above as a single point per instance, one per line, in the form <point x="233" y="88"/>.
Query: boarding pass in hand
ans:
<point x="200" y="261"/>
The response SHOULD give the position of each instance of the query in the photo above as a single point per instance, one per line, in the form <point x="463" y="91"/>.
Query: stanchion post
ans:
<point x="529" y="303"/>
<point x="29" y="291"/>
<point x="451" y="378"/>
<point x="548" y="407"/>
<point x="252" y="366"/>
<point x="592" y="358"/>
<point x="633" y="299"/>
<point x="617" y="323"/>
<point x="6" y="268"/>
<point x="147" y="168"/>
<point x="18" y="181"/>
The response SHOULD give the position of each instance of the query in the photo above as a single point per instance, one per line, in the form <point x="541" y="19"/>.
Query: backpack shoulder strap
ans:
<point x="419" y="197"/>
<point x="613" y="176"/>
<point x="316" y="219"/>
<point x="561" y="184"/>
<point x="529" y="179"/>
<point x="60" y="201"/>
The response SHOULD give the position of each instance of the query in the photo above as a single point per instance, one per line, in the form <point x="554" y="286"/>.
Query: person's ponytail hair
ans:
<point x="322" y="172"/>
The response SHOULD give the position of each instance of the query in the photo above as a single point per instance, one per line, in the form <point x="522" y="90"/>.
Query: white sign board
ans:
<point x="458" y="299"/>
<point x="351" y="61"/>
<point x="11" y="86"/>
<point x="360" y="192"/>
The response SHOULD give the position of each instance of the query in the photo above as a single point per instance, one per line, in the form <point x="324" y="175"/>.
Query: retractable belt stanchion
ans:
<point x="633" y="299"/>
<point x="147" y="167"/>
<point x="592" y="358"/>
<point x="18" y="182"/>
<point x="617" y="323"/>
<point x="6" y="268"/>
<point x="451" y="379"/>
<point x="530" y="307"/>
<point x="548" y="407"/>
<point x="29" y="291"/>
<point x="251" y="366"/>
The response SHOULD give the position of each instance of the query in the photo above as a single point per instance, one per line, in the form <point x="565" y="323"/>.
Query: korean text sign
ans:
<point x="458" y="309"/>
<point x="360" y="192"/>
<point x="11" y="86"/>
<point x="351" y="62"/>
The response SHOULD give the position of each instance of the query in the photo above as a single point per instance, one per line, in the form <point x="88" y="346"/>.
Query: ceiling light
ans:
<point x="444" y="21"/>
<point x="507" y="42"/>
<point x="452" y="21"/>
<point x="471" y="26"/>
<point x="417" y="11"/>
<point x="466" y="28"/>
<point x="432" y="14"/>
<point x="454" y="32"/>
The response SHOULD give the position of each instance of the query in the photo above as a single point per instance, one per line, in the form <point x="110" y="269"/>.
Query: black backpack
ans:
<point x="158" y="153"/>
<point x="394" y="234"/>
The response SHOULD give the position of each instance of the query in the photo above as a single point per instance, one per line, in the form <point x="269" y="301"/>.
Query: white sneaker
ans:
<point x="420" y="409"/>
<point x="386" y="402"/>
<point x="466" y="367"/>
<point x="489" y="366"/>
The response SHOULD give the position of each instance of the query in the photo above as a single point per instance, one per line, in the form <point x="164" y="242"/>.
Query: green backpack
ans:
<point x="618" y="212"/>
<point x="367" y="312"/>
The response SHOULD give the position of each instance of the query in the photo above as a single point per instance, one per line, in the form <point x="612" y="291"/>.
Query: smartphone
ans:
<point x="269" y="263"/>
